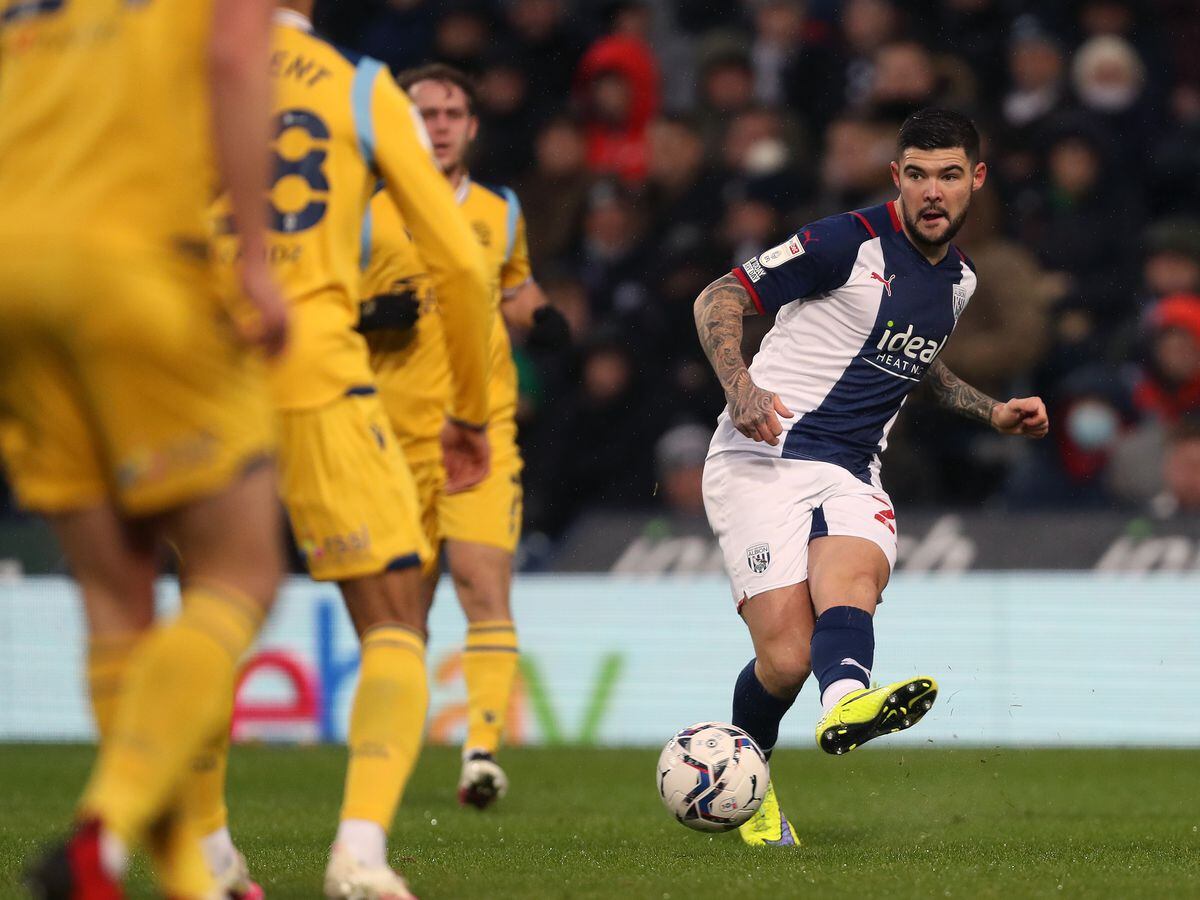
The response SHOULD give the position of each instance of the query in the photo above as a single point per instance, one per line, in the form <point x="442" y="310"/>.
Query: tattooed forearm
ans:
<point x="719" y="310"/>
<point x="955" y="394"/>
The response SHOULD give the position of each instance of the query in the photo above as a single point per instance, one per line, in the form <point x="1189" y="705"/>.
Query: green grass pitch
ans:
<point x="587" y="823"/>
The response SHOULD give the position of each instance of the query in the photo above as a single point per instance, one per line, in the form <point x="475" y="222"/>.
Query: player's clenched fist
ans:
<point x="1021" y="415"/>
<point x="755" y="412"/>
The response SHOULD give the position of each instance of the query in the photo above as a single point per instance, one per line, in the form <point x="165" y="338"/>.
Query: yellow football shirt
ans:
<point x="495" y="216"/>
<point x="103" y="104"/>
<point x="341" y="126"/>
<point x="411" y="367"/>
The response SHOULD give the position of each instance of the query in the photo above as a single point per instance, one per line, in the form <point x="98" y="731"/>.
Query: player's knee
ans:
<point x="482" y="591"/>
<point x="783" y="670"/>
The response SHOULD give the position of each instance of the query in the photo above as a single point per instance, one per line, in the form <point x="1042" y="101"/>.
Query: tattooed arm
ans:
<point x="1021" y="415"/>
<point x="719" y="310"/>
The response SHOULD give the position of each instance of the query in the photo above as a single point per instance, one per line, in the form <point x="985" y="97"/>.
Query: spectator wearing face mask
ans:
<point x="1069" y="470"/>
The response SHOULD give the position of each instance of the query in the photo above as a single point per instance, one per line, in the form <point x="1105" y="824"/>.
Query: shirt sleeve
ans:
<point x="813" y="261"/>
<point x="443" y="238"/>
<point x="516" y="269"/>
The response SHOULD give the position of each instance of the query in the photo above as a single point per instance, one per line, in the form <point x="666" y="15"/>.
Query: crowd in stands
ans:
<point x="656" y="143"/>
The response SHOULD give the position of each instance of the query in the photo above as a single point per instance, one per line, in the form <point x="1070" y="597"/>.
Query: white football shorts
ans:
<point x="764" y="510"/>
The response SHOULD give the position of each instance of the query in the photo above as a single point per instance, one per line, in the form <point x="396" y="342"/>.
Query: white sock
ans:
<point x="839" y="689"/>
<point x="218" y="850"/>
<point x="114" y="855"/>
<point x="366" y="841"/>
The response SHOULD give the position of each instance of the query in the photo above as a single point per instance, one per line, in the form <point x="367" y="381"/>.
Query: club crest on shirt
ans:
<point x="960" y="300"/>
<point x="758" y="558"/>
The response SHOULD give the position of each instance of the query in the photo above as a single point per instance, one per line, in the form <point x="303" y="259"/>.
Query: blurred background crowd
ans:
<point x="655" y="144"/>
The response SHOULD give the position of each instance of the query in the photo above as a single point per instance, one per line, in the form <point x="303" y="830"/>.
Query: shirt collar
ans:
<point x="464" y="188"/>
<point x="293" y="19"/>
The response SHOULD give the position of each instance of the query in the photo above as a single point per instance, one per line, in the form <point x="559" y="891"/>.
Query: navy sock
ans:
<point x="843" y="646"/>
<point x="756" y="710"/>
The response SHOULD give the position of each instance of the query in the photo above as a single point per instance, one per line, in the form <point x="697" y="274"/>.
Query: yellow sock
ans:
<point x="203" y="797"/>
<point x="174" y="845"/>
<point x="386" y="723"/>
<point x="177" y="689"/>
<point x="107" y="662"/>
<point x="489" y="666"/>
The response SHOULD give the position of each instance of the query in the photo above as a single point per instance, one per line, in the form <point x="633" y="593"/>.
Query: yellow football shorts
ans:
<point x="430" y="477"/>
<point x="121" y="380"/>
<point x="348" y="490"/>
<point x="489" y="513"/>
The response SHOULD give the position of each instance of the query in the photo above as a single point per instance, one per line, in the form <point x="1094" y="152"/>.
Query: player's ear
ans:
<point x="473" y="128"/>
<point x="895" y="173"/>
<point x="979" y="176"/>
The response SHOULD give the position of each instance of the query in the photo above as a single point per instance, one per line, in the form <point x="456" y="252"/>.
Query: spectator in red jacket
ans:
<point x="618" y="89"/>
<point x="1170" y="384"/>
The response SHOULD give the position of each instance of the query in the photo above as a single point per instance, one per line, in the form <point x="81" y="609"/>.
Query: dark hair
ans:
<point x="444" y="73"/>
<point x="938" y="129"/>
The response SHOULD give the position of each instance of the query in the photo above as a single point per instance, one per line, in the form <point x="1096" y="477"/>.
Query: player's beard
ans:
<point x="952" y="228"/>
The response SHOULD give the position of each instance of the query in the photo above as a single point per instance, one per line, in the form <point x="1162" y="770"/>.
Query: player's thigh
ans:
<point x="348" y="491"/>
<point x="780" y="622"/>
<point x="181" y="406"/>
<point x="852" y="563"/>
<point x="429" y="477"/>
<point x="233" y="536"/>
<point x="762" y="517"/>
<point x="482" y="579"/>
<point x="489" y="513"/>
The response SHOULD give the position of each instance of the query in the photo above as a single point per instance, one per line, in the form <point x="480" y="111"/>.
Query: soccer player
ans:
<point x="480" y="526"/>
<point x="134" y="413"/>
<point x="341" y="126"/>
<point x="865" y="301"/>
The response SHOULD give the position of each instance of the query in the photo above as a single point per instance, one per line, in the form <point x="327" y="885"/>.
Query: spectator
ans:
<point x="549" y="50"/>
<point x="1080" y="218"/>
<point x="1035" y="68"/>
<point x="679" y="461"/>
<point x="554" y="193"/>
<point x="506" y="120"/>
<point x="593" y="448"/>
<point x="1169" y="385"/>
<point x="854" y="168"/>
<point x="1109" y="81"/>
<point x="463" y="35"/>
<point x="1172" y="263"/>
<point x="1181" y="470"/>
<point x="866" y="26"/>
<point x="617" y="86"/>
<point x="683" y="192"/>
<point x="903" y="79"/>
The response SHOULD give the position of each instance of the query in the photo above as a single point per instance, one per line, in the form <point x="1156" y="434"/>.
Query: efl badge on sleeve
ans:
<point x="758" y="558"/>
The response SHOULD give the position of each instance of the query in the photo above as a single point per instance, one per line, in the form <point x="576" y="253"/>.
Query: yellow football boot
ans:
<point x="870" y="712"/>
<point x="768" y="827"/>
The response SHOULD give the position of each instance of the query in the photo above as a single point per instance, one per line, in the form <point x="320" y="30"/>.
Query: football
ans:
<point x="712" y="776"/>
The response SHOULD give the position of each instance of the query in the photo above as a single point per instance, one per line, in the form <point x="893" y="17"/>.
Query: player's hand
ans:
<point x="755" y="412"/>
<point x="389" y="312"/>
<point x="268" y="327"/>
<point x="550" y="330"/>
<point x="466" y="454"/>
<point x="1021" y="415"/>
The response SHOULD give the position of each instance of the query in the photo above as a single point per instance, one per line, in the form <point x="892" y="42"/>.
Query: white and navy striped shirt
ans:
<point x="862" y="314"/>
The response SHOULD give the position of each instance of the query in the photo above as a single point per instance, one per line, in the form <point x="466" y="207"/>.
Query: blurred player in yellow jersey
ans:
<point x="133" y="413"/>
<point x="481" y="525"/>
<point x="342" y="126"/>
